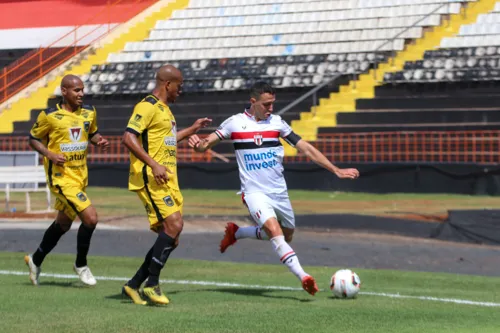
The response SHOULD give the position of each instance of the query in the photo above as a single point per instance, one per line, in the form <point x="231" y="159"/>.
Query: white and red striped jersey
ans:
<point x="258" y="150"/>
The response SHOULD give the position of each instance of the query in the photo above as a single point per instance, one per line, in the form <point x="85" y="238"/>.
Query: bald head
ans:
<point x="168" y="83"/>
<point x="72" y="91"/>
<point x="69" y="81"/>
<point x="168" y="73"/>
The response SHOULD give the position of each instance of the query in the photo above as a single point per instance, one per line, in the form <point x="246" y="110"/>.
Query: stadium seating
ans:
<point x="226" y="45"/>
<point x="471" y="56"/>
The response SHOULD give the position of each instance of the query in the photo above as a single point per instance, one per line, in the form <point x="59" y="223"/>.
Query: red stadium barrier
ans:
<point x="419" y="146"/>
<point x="117" y="152"/>
<point x="481" y="147"/>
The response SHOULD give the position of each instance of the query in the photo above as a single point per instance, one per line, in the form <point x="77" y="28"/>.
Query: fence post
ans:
<point x="109" y="15"/>
<point x="5" y="83"/>
<point x="40" y="59"/>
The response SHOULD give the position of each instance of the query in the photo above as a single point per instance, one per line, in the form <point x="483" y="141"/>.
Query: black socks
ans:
<point x="49" y="241"/>
<point x="162" y="248"/>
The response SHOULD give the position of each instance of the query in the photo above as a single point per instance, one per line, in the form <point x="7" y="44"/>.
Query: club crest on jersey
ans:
<point x="75" y="134"/>
<point x="168" y="201"/>
<point x="81" y="196"/>
<point x="257" y="138"/>
<point x="86" y="126"/>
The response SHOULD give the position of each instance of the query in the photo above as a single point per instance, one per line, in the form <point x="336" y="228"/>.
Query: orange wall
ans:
<point x="50" y="13"/>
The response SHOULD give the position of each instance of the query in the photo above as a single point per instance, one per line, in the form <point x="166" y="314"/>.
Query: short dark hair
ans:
<point x="260" y="88"/>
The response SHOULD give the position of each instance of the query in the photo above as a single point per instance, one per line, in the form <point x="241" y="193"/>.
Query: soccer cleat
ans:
<point x="309" y="285"/>
<point x="133" y="294"/>
<point x="34" y="269"/>
<point x="85" y="275"/>
<point x="229" y="237"/>
<point x="155" y="295"/>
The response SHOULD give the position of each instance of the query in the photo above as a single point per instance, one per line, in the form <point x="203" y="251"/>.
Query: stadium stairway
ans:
<point x="325" y="114"/>
<point x="21" y="110"/>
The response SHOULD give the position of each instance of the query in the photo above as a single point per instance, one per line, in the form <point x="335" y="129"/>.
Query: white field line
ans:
<point x="256" y="286"/>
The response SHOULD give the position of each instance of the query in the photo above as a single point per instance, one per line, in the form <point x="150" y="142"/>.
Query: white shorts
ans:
<point x="264" y="206"/>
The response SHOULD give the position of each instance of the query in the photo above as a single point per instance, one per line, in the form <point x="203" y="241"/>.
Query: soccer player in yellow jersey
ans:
<point x="152" y="136"/>
<point x="61" y="135"/>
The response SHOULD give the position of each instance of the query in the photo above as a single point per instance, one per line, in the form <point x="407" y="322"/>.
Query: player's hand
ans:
<point x="201" y="123"/>
<point x="347" y="173"/>
<point x="194" y="140"/>
<point x="160" y="173"/>
<point x="57" y="159"/>
<point x="103" y="143"/>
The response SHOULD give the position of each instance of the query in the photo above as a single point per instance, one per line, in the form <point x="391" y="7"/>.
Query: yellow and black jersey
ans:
<point x="68" y="133"/>
<point x="154" y="124"/>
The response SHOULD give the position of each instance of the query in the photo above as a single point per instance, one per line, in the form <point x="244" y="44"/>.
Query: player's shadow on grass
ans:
<point x="245" y="292"/>
<point x="65" y="284"/>
<point x="119" y="297"/>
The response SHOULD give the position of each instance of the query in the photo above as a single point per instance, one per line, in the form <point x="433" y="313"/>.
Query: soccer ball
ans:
<point x="345" y="284"/>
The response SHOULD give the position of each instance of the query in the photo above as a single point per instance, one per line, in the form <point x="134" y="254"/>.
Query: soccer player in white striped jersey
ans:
<point x="255" y="135"/>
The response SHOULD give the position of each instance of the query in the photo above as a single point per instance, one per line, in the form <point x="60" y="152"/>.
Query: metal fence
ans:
<point x="481" y="147"/>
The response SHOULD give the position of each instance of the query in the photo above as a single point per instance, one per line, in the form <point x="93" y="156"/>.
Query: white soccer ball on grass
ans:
<point x="345" y="284"/>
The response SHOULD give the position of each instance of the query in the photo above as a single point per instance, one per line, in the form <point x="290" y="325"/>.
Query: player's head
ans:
<point x="262" y="97"/>
<point x="169" y="82"/>
<point x="72" y="90"/>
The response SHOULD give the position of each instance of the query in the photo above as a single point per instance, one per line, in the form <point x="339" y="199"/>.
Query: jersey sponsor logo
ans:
<point x="168" y="201"/>
<point x="59" y="116"/>
<point x="76" y="157"/>
<point x="73" y="147"/>
<point x="257" y="138"/>
<point x="75" y="133"/>
<point x="170" y="141"/>
<point x="81" y="196"/>
<point x="258" y="161"/>
<point x="260" y="156"/>
<point x="86" y="126"/>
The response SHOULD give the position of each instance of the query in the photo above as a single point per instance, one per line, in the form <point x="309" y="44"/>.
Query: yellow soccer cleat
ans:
<point x="34" y="269"/>
<point x="155" y="295"/>
<point x="133" y="294"/>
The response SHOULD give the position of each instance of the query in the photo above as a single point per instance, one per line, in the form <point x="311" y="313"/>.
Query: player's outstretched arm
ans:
<point x="57" y="159"/>
<point x="159" y="171"/>
<point x="193" y="129"/>
<point x="317" y="157"/>
<point x="202" y="145"/>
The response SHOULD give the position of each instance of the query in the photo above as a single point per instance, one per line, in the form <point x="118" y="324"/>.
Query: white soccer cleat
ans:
<point x="85" y="275"/>
<point x="34" y="269"/>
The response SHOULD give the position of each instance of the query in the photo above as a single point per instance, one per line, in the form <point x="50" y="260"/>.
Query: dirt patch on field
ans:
<point x="27" y="216"/>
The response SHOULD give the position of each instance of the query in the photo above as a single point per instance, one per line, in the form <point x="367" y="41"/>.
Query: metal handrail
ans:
<point x="322" y="85"/>
<point x="402" y="32"/>
<point x="307" y="94"/>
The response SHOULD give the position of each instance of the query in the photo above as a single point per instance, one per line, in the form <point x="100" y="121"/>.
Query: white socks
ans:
<point x="288" y="257"/>
<point x="251" y="232"/>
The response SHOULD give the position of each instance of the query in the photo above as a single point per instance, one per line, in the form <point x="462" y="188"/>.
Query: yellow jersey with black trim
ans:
<point x="154" y="125"/>
<point x="68" y="133"/>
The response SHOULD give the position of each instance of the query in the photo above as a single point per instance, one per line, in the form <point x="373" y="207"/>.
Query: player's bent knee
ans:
<point x="64" y="221"/>
<point x="65" y="226"/>
<point x="89" y="218"/>
<point x="272" y="228"/>
<point x="173" y="225"/>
